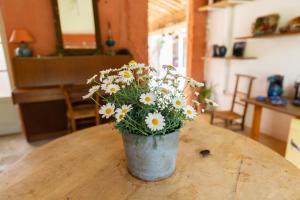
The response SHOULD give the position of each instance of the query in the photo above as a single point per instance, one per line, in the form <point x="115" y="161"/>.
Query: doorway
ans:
<point x="167" y="36"/>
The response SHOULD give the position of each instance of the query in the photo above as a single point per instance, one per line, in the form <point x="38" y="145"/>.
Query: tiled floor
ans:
<point x="13" y="147"/>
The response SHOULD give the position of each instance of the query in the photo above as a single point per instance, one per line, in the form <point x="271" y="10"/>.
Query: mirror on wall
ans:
<point x="77" y="25"/>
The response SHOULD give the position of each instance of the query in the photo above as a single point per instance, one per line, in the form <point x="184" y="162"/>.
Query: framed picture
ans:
<point x="265" y="24"/>
<point x="239" y="49"/>
<point x="292" y="26"/>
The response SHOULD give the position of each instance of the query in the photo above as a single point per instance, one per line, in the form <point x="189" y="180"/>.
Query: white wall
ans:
<point x="275" y="56"/>
<point x="9" y="120"/>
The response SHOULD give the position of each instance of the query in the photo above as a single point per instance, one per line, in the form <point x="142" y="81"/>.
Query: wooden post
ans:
<point x="256" y="122"/>
<point x="196" y="39"/>
<point x="196" y="43"/>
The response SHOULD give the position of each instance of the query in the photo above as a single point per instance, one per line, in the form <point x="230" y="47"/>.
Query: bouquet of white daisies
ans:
<point x="140" y="102"/>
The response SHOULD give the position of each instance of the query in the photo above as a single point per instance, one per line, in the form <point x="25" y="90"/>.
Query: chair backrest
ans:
<point x="73" y="95"/>
<point x="239" y="95"/>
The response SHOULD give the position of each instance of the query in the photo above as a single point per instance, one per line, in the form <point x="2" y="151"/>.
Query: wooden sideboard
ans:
<point x="41" y="103"/>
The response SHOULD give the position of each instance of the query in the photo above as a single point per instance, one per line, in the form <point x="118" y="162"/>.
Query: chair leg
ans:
<point x="226" y="123"/>
<point x="212" y="118"/>
<point x="73" y="125"/>
<point x="69" y="126"/>
<point x="242" y="126"/>
<point x="97" y="118"/>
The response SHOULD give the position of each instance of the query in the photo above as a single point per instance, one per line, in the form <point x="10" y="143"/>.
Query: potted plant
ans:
<point x="149" y="111"/>
<point x="204" y="102"/>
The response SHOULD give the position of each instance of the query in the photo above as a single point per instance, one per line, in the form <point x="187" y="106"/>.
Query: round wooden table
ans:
<point x="90" y="164"/>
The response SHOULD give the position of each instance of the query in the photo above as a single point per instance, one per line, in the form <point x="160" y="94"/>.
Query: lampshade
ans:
<point x="20" y="35"/>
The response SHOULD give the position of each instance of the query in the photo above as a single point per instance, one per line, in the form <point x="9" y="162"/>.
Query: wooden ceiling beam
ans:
<point x="176" y="3"/>
<point x="154" y="7"/>
<point x="167" y="19"/>
<point x="165" y="4"/>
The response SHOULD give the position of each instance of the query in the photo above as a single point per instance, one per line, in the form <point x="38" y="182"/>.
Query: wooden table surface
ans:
<point x="90" y="164"/>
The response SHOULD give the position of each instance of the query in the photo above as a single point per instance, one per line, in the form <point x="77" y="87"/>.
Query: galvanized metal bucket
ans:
<point x="151" y="158"/>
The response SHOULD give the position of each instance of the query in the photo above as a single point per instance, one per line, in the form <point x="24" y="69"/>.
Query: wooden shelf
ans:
<point x="268" y="35"/>
<point x="223" y="4"/>
<point x="229" y="58"/>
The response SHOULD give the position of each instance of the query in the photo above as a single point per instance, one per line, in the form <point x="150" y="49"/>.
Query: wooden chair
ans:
<point x="77" y="108"/>
<point x="231" y="115"/>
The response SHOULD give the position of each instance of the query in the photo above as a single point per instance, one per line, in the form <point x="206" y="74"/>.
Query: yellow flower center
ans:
<point x="124" y="110"/>
<point x="112" y="89"/>
<point x="189" y="112"/>
<point x="108" y="111"/>
<point x="147" y="99"/>
<point x="132" y="62"/>
<point x="178" y="102"/>
<point x="127" y="74"/>
<point x="155" y="121"/>
<point x="121" y="116"/>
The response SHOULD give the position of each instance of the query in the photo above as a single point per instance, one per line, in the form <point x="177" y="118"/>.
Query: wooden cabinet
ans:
<point x="292" y="152"/>
<point x="41" y="103"/>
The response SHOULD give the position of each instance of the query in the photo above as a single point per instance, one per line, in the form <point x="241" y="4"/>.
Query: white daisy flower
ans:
<point x="148" y="98"/>
<point x="197" y="93"/>
<point x="107" y="110"/>
<point x="164" y="90"/>
<point x="211" y="102"/>
<point x="189" y="112"/>
<point x="106" y="71"/>
<point x="119" y="115"/>
<point x="92" y="90"/>
<point x="124" y="67"/>
<point x="112" y="89"/>
<point x="124" y="109"/>
<point x="194" y="83"/>
<point x="104" y="86"/>
<point x="126" y="76"/>
<point x="140" y="68"/>
<point x="90" y="80"/>
<point x="101" y="77"/>
<point x="178" y="102"/>
<point x="155" y="121"/>
<point x="132" y="64"/>
<point x="106" y="82"/>
<point x="169" y="67"/>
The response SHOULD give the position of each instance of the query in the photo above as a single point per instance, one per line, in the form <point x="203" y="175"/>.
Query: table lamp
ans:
<point x="22" y="37"/>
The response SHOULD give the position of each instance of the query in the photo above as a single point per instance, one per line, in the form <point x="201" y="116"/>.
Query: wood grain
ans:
<point x="255" y="132"/>
<point x="90" y="164"/>
<point x="266" y="36"/>
<point x="290" y="109"/>
<point x="48" y="71"/>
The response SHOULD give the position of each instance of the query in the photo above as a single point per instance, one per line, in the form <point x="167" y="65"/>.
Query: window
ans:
<point x="5" y="90"/>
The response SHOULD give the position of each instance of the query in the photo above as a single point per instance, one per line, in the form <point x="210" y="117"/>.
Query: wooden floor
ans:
<point x="13" y="147"/>
<point x="273" y="143"/>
